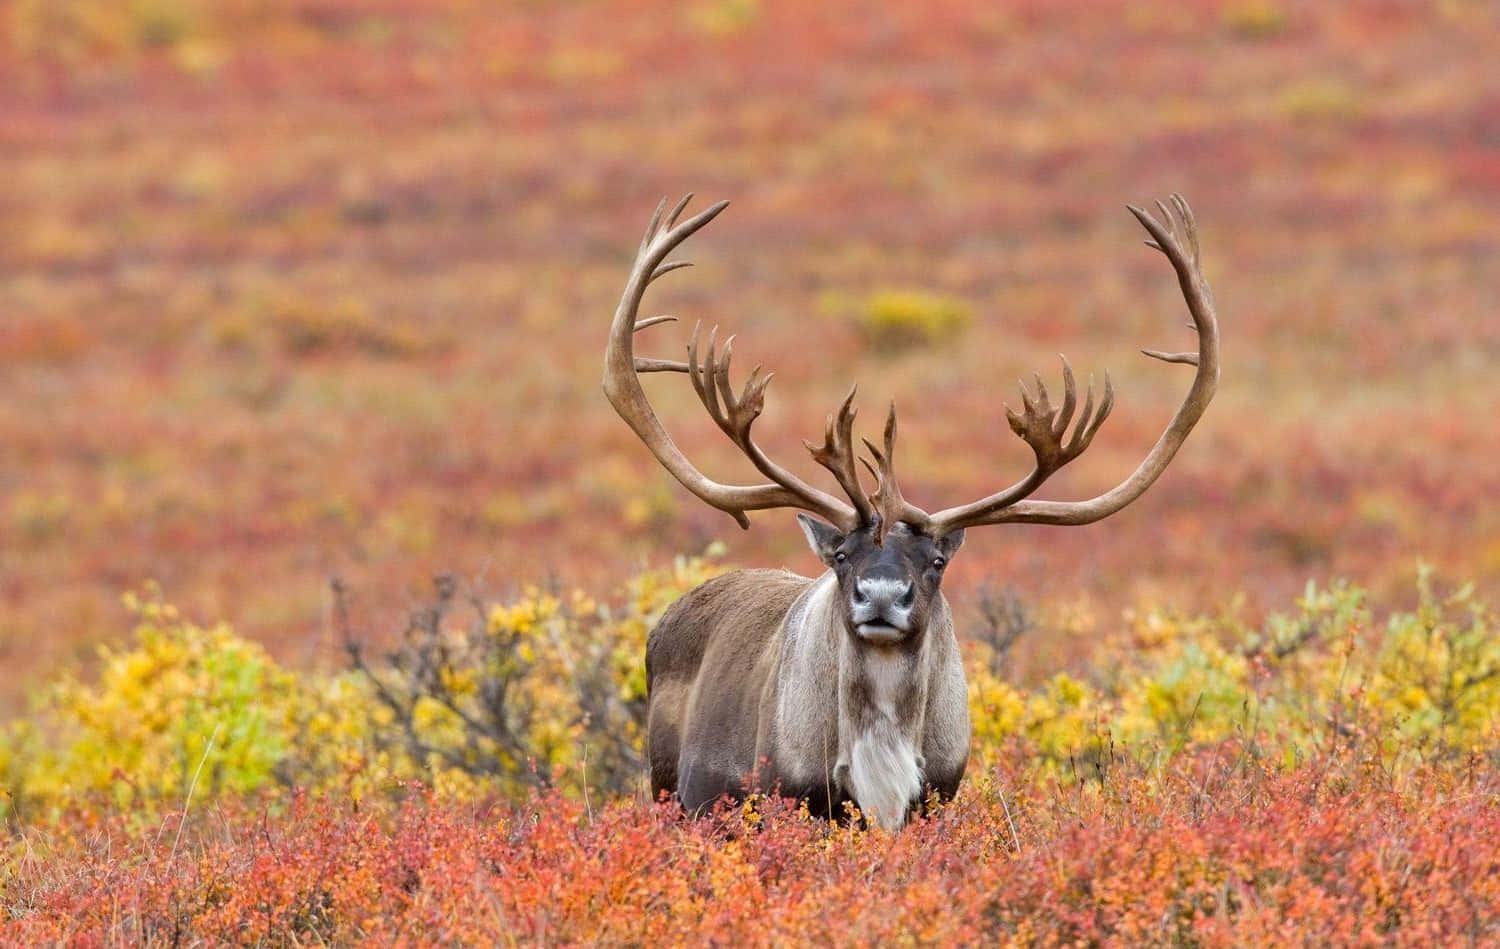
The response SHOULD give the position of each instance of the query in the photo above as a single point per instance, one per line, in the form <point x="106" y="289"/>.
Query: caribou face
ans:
<point x="886" y="588"/>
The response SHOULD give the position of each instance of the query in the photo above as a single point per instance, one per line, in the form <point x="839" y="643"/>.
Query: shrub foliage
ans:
<point x="547" y="689"/>
<point x="526" y="693"/>
<point x="537" y="691"/>
<point x="1206" y="783"/>
<point x="892" y="320"/>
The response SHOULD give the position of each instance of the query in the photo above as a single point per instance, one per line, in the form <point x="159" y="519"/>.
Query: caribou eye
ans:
<point x="938" y="562"/>
<point x="841" y="556"/>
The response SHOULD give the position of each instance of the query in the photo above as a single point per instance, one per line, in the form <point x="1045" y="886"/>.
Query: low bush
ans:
<point x="539" y="691"/>
<point x="183" y="700"/>
<point x="479" y="699"/>
<point x="1419" y="686"/>
<point x="544" y="690"/>
<point x="1216" y="851"/>
<point x="1321" y="777"/>
<point x="891" y="320"/>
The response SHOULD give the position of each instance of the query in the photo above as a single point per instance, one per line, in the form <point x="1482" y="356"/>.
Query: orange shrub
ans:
<point x="1213" y="851"/>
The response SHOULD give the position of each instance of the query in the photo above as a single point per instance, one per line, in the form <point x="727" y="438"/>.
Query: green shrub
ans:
<point x="1421" y="687"/>
<point x="180" y="698"/>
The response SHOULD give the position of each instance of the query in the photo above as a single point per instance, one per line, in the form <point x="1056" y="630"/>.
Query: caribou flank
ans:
<point x="848" y="687"/>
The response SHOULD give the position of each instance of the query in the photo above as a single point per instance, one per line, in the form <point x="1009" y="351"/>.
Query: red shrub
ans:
<point x="1213" y="852"/>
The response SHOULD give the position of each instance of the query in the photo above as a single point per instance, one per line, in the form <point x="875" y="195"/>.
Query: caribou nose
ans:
<point x="882" y="590"/>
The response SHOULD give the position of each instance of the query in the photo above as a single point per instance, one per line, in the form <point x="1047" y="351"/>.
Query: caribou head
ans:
<point x="848" y="689"/>
<point x="887" y="590"/>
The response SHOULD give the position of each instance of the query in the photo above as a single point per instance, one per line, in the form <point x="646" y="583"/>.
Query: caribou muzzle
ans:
<point x="880" y="606"/>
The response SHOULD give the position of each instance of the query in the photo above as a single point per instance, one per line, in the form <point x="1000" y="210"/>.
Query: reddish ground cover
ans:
<point x="1213" y="853"/>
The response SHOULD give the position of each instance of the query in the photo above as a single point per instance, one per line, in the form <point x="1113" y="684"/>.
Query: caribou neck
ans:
<point x="883" y="694"/>
<point x="874" y="732"/>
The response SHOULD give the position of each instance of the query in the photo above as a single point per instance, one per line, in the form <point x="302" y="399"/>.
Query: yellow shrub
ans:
<point x="550" y="688"/>
<point x="1255" y="19"/>
<point x="541" y="690"/>
<point x="1424" y="687"/>
<point x="182" y="698"/>
<point x="893" y="319"/>
<point x="1436" y="679"/>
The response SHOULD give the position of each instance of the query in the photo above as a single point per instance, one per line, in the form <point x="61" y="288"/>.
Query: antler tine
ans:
<point x="1027" y="405"/>
<point x="1189" y="225"/>
<point x="655" y="225"/>
<point x="1175" y="234"/>
<point x="1041" y="389"/>
<point x="837" y="455"/>
<point x="1070" y="398"/>
<point x="695" y="369"/>
<point x="665" y="233"/>
<point x="670" y="266"/>
<point x="710" y="391"/>
<point x="678" y="209"/>
<point x="1167" y="220"/>
<point x="1089" y="421"/>
<point x="1190" y="359"/>
<point x="643" y="364"/>
<point x="890" y="507"/>
<point x="721" y="373"/>
<point x="653" y="321"/>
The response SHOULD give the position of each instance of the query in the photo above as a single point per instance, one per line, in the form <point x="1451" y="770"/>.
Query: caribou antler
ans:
<point x="890" y="506"/>
<point x="837" y="455"/>
<point x="1042" y="427"/>
<point x="734" y="414"/>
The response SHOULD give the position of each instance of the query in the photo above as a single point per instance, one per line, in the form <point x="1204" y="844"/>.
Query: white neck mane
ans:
<point x="874" y="755"/>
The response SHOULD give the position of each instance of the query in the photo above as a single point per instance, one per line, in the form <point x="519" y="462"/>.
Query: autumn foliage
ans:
<point x="1213" y="848"/>
<point x="293" y="290"/>
<point x="1328" y="775"/>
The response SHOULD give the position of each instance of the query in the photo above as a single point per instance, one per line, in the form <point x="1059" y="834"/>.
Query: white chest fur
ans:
<point x="884" y="773"/>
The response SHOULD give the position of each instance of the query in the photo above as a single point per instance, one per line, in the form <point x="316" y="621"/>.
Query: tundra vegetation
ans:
<point x="293" y="289"/>
<point x="1328" y="771"/>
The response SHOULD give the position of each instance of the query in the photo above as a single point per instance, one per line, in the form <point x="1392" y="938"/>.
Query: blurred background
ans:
<point x="295" y="289"/>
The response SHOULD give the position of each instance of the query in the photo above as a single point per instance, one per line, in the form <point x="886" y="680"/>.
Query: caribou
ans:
<point x="847" y="689"/>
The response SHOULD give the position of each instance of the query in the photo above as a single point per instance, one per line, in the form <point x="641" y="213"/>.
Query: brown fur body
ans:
<point x="757" y="683"/>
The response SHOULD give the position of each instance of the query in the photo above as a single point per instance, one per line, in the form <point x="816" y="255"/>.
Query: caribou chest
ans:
<point x="883" y="693"/>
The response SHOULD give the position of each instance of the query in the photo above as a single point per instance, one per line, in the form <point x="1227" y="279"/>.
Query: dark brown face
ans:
<point x="888" y="591"/>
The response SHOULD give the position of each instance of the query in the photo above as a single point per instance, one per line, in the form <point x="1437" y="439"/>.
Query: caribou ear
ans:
<point x="950" y="542"/>
<point x="824" y="539"/>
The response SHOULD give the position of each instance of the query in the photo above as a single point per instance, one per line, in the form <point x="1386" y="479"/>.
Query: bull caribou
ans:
<point x="847" y="688"/>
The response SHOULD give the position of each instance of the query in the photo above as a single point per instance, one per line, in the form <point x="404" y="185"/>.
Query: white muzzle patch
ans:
<point x="881" y="609"/>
